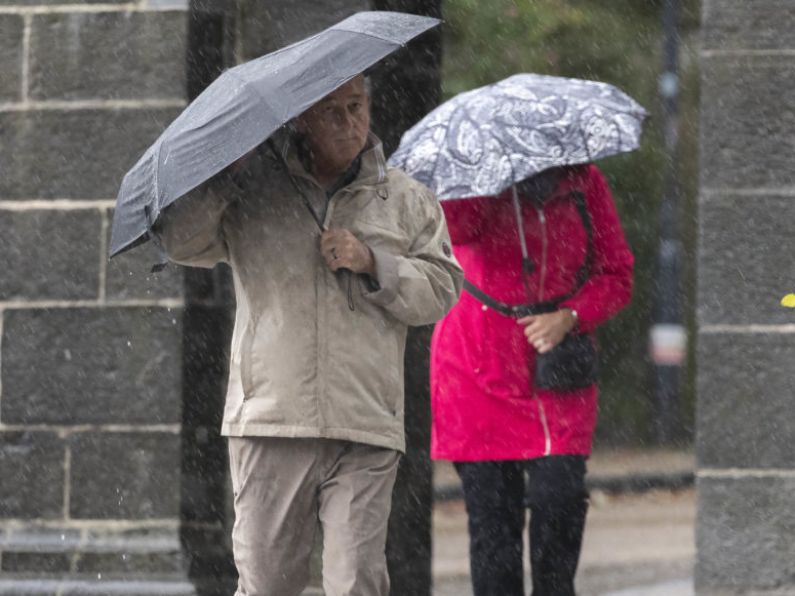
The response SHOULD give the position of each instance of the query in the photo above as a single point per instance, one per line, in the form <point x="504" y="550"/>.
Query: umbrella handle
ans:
<point x="517" y="207"/>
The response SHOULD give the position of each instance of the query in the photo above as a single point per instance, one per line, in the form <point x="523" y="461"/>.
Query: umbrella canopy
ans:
<point x="244" y="106"/>
<point x="481" y="142"/>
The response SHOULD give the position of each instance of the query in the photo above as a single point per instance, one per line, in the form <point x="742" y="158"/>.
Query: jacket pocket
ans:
<point x="246" y="347"/>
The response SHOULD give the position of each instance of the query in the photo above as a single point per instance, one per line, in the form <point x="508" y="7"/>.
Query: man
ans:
<point x="314" y="408"/>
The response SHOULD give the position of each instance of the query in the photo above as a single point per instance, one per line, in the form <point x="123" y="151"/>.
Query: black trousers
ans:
<point x="496" y="496"/>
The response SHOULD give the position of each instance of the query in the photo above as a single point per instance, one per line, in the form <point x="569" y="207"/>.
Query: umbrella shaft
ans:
<point x="517" y="207"/>
<point x="297" y="188"/>
<point x="519" y="223"/>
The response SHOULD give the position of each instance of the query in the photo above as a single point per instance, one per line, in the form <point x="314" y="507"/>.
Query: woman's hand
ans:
<point x="546" y="331"/>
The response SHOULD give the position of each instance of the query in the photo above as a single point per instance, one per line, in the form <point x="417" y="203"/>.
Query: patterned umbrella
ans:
<point x="481" y="142"/>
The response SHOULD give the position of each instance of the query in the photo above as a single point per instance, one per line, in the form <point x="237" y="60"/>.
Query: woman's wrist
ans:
<point x="572" y="317"/>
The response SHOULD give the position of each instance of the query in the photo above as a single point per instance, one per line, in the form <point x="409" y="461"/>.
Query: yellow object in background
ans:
<point x="788" y="301"/>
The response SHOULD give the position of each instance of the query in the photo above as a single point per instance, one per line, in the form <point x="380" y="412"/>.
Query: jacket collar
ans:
<point x="372" y="170"/>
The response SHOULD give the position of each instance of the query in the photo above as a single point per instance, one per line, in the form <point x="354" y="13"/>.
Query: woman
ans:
<point x="490" y="416"/>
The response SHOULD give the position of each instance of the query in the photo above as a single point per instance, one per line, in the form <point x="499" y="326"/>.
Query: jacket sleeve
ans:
<point x="190" y="229"/>
<point x="609" y="288"/>
<point x="419" y="287"/>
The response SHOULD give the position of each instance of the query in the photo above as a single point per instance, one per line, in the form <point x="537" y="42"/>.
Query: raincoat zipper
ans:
<point x="542" y="274"/>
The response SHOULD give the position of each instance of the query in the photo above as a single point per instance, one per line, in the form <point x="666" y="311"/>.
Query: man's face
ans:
<point x="336" y="127"/>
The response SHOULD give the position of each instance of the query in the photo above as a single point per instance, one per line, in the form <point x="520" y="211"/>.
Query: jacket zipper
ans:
<point x="542" y="274"/>
<point x="348" y="275"/>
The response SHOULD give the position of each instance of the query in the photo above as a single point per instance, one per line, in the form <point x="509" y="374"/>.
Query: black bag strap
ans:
<point x="510" y="310"/>
<point x="584" y="272"/>
<point x="582" y="275"/>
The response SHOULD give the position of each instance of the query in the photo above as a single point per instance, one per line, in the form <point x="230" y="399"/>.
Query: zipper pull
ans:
<point x="351" y="303"/>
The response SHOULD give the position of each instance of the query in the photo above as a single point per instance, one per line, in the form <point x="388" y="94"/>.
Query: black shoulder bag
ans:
<point x="573" y="363"/>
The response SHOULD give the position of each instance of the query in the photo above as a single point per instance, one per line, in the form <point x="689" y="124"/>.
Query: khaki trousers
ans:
<point x="283" y="486"/>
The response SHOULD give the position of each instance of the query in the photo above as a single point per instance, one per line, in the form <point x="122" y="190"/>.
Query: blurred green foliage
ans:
<point x="619" y="42"/>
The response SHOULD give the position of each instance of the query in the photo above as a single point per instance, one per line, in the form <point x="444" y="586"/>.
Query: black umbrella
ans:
<point x="244" y="106"/>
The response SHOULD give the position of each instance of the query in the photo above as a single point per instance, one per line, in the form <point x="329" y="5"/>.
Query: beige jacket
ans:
<point x="303" y="362"/>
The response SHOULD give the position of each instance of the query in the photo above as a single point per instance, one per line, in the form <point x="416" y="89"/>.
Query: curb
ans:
<point x="631" y="484"/>
<point x="625" y="484"/>
<point x="119" y="587"/>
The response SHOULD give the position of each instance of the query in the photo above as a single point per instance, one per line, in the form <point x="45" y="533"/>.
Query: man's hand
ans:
<point x="342" y="250"/>
<point x="546" y="331"/>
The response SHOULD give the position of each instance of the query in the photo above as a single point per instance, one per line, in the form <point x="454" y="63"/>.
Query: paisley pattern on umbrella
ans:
<point x="482" y="141"/>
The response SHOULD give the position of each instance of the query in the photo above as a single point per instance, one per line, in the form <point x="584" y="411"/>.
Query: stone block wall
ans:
<point x="746" y="341"/>
<point x="90" y="350"/>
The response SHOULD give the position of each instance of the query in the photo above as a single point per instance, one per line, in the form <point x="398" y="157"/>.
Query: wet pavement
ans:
<point x="637" y="543"/>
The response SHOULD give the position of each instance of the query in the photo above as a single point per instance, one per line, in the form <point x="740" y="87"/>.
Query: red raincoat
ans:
<point x="484" y="406"/>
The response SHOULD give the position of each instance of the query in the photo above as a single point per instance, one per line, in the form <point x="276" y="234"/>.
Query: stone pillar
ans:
<point x="90" y="360"/>
<point x="206" y="506"/>
<point x="746" y="341"/>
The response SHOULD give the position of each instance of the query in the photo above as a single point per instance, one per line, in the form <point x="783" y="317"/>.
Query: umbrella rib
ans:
<point x="244" y="84"/>
<point x="386" y="39"/>
<point x="157" y="174"/>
